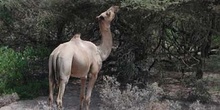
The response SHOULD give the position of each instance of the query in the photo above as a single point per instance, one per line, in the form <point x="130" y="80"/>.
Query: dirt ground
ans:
<point x="70" y="100"/>
<point x="71" y="96"/>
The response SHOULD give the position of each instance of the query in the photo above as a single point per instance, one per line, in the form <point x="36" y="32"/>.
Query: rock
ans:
<point x="8" y="99"/>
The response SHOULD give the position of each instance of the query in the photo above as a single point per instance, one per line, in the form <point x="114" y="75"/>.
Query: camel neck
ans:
<point x="106" y="41"/>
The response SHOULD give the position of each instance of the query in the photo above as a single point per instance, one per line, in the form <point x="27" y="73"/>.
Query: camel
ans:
<point x="81" y="59"/>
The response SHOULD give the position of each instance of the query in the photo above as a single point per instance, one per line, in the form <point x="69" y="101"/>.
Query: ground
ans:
<point x="70" y="100"/>
<point x="172" y="88"/>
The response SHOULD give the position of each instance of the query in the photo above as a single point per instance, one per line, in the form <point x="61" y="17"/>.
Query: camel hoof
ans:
<point x="59" y="108"/>
<point x="80" y="108"/>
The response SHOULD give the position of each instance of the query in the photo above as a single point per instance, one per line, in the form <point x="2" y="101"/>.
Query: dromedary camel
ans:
<point x="79" y="58"/>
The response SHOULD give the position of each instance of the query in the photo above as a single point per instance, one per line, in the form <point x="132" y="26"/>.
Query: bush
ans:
<point x="200" y="92"/>
<point x="131" y="98"/>
<point x="16" y="71"/>
<point x="9" y="60"/>
<point x="212" y="63"/>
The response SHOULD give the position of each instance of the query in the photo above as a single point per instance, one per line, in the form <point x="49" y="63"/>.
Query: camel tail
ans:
<point x="56" y="75"/>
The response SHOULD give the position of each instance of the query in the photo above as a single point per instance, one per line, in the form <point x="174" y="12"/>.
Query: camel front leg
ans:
<point x="89" y="89"/>
<point x="62" y="86"/>
<point x="82" y="92"/>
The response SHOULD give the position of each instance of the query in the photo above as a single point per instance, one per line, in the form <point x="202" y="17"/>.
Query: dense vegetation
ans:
<point x="151" y="37"/>
<point x="20" y="71"/>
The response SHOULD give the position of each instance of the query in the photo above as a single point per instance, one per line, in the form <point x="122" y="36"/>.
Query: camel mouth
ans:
<point x="99" y="18"/>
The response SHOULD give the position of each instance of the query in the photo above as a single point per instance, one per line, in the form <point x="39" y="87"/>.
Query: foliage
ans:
<point x="46" y="22"/>
<point x="5" y="15"/>
<point x="150" y="35"/>
<point x="167" y="37"/>
<point x="155" y="5"/>
<point x="16" y="70"/>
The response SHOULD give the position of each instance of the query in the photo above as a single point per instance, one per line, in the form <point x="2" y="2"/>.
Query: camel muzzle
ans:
<point x="100" y="18"/>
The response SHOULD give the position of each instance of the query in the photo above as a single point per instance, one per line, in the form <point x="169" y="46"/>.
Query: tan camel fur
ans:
<point x="79" y="58"/>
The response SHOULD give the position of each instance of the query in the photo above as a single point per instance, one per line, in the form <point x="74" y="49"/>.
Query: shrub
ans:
<point x="16" y="71"/>
<point x="200" y="92"/>
<point x="9" y="60"/>
<point x="131" y="98"/>
<point x="212" y="64"/>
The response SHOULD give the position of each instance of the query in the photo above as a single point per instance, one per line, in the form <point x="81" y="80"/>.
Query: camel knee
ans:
<point x="50" y="100"/>
<point x="64" y="80"/>
<point x="82" y="98"/>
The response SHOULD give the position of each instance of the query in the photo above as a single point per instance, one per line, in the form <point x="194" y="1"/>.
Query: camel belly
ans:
<point x="80" y="69"/>
<point x="78" y="74"/>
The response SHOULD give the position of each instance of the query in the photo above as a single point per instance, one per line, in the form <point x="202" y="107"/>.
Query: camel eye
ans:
<point x="108" y="13"/>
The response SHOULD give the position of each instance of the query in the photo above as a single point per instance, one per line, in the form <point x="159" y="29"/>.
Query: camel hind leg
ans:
<point x="62" y="85"/>
<point x="63" y="68"/>
<point x="51" y="82"/>
<point x="51" y="91"/>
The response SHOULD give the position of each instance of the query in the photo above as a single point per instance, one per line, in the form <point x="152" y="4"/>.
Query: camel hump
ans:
<point x="76" y="36"/>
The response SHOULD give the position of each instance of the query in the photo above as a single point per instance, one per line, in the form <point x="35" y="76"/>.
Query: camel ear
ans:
<point x="116" y="8"/>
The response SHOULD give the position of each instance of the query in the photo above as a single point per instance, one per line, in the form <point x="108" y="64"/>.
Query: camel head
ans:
<point x="108" y="15"/>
